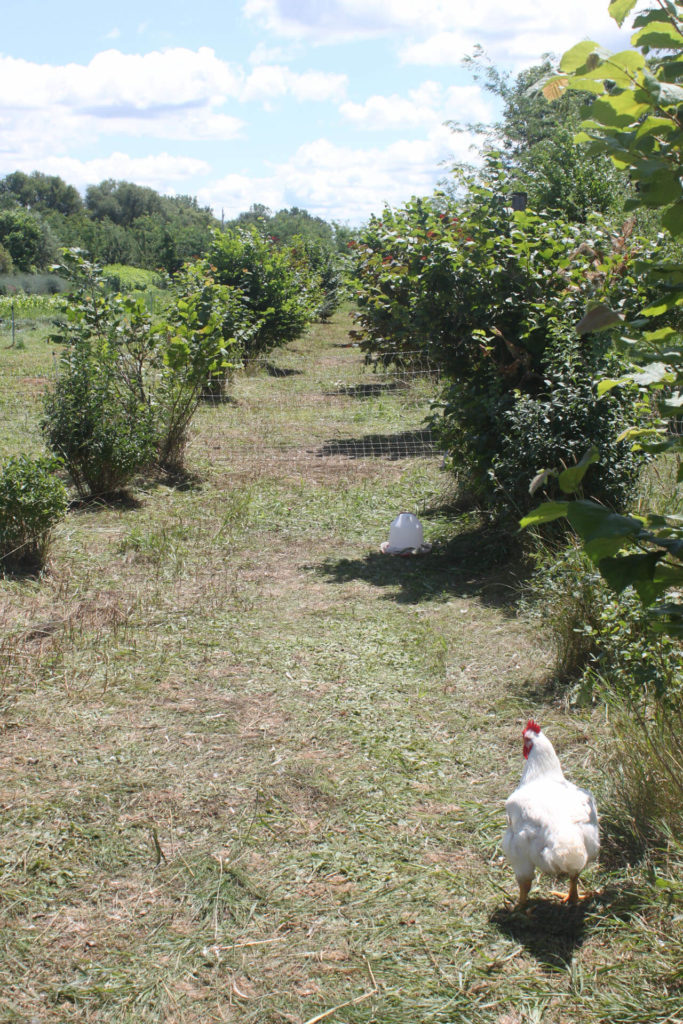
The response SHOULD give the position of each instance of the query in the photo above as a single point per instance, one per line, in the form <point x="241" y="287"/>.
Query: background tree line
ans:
<point x="118" y="222"/>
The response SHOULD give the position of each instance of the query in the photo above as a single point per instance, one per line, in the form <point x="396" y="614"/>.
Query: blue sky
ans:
<point x="337" y="106"/>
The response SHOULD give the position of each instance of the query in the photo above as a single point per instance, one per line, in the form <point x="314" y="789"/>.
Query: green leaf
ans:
<point x="664" y="305"/>
<point x="673" y="218"/>
<point x="545" y="513"/>
<point x="592" y="521"/>
<point x="654" y="373"/>
<point x="620" y="68"/>
<point x="630" y="569"/>
<point x="655" y="126"/>
<point x="620" y="10"/>
<point x="661" y="189"/>
<point x="599" y="318"/>
<point x="664" y="94"/>
<point x="658" y="35"/>
<point x="665" y="578"/>
<point x="583" y="56"/>
<point x="583" y="83"/>
<point x="618" y="110"/>
<point x="603" y="547"/>
<point x="570" y="479"/>
<point x="663" y="334"/>
<point x="650" y="15"/>
<point x="604" y="386"/>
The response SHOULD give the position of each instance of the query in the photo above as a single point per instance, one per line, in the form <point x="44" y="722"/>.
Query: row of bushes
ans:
<point x="129" y="382"/>
<point x="491" y="297"/>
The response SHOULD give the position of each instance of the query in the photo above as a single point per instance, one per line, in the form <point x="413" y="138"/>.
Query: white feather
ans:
<point x="552" y="824"/>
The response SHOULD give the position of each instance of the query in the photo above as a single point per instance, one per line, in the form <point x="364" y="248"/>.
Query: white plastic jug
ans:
<point x="405" y="532"/>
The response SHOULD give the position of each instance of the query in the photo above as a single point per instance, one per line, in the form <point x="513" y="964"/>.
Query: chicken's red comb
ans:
<point x="531" y="726"/>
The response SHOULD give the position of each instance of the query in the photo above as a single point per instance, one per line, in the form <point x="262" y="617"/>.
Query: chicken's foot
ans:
<point x="572" y="897"/>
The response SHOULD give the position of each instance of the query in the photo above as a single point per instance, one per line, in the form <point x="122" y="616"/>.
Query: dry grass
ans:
<point x="253" y="771"/>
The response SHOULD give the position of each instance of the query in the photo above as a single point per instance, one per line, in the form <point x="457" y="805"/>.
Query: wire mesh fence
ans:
<point x="291" y="405"/>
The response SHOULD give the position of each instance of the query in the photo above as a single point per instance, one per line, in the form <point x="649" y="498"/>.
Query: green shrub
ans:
<point x="128" y="385"/>
<point x="103" y="436"/>
<point x="207" y="327"/>
<point x="598" y="636"/>
<point x="121" y="278"/>
<point x="490" y="297"/>
<point x="32" y="500"/>
<point x="633" y="118"/>
<point x="321" y="272"/>
<point x="280" y="296"/>
<point x="555" y="426"/>
<point x="98" y="417"/>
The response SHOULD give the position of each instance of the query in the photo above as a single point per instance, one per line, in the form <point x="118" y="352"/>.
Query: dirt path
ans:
<point x="254" y="770"/>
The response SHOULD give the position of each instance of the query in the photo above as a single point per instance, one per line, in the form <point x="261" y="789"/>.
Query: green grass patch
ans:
<point x="254" y="771"/>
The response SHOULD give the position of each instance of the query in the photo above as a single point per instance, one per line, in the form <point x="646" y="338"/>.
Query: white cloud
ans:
<point x="315" y="20"/>
<point x="263" y="54"/>
<point x="175" y="94"/>
<point x="158" y="83"/>
<point x="442" y="31"/>
<point x="117" y="81"/>
<point x="427" y="106"/>
<point x="271" y="81"/>
<point x="343" y="183"/>
<point x="440" y="48"/>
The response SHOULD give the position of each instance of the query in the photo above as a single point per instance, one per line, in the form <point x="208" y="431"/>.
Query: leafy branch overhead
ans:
<point x="635" y="118"/>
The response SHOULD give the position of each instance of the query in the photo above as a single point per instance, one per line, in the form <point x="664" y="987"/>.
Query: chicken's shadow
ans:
<point x="548" y="930"/>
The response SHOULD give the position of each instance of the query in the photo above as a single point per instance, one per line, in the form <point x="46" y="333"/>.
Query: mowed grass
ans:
<point x="254" y="771"/>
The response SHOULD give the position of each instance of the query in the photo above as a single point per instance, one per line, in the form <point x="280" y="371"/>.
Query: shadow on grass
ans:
<point x="180" y="479"/>
<point x="281" y="371"/>
<point x="213" y="398"/>
<point x="548" y="930"/>
<point x="122" y="500"/>
<point x="29" y="569"/>
<point x="411" y="444"/>
<point x="364" y="390"/>
<point x="479" y="562"/>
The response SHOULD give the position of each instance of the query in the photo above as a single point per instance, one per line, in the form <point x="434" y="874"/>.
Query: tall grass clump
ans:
<point x="646" y="767"/>
<point x="32" y="500"/>
<point x="607" y="656"/>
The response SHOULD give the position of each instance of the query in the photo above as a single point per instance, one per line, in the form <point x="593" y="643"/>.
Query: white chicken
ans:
<point x="552" y="824"/>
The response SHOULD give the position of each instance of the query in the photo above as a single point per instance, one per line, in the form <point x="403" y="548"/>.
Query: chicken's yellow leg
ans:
<point x="572" y="896"/>
<point x="524" y="887"/>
